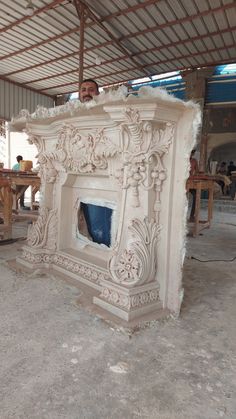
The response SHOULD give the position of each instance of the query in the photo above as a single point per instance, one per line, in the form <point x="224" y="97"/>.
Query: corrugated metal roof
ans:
<point x="131" y="39"/>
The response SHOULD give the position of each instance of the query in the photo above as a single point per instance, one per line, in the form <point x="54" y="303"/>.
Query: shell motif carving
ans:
<point x="43" y="233"/>
<point x="136" y="265"/>
<point x="143" y="149"/>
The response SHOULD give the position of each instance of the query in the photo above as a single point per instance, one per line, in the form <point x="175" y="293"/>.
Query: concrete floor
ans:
<point x="60" y="361"/>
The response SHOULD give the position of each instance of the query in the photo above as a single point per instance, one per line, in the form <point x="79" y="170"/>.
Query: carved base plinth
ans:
<point x="36" y="258"/>
<point x="129" y="304"/>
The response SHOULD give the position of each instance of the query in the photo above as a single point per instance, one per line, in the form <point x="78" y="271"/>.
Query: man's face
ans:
<point x="87" y="91"/>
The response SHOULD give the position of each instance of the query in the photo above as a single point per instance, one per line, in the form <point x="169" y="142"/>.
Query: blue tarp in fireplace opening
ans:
<point x="98" y="220"/>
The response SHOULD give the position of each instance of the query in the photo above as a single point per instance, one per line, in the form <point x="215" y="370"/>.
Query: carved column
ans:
<point x="133" y="289"/>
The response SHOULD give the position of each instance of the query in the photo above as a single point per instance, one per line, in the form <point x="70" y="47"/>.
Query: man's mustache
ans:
<point x="88" y="97"/>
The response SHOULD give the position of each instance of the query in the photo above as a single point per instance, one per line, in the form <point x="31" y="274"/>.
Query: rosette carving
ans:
<point x="43" y="233"/>
<point x="137" y="264"/>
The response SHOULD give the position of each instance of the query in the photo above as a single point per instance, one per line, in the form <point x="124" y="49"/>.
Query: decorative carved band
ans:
<point x="84" y="153"/>
<point x="74" y="152"/>
<point x="90" y="273"/>
<point x="129" y="302"/>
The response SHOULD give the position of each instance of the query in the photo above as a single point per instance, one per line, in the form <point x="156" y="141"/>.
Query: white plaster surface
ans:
<point x="132" y="152"/>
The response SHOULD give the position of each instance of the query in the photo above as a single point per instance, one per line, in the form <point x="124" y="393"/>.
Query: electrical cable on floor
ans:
<point x="10" y="241"/>
<point x="214" y="260"/>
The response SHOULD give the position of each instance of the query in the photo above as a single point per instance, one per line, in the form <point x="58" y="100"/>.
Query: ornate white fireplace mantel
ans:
<point x="130" y="157"/>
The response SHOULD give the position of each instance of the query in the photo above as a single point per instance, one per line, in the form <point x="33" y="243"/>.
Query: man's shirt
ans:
<point x="16" y="166"/>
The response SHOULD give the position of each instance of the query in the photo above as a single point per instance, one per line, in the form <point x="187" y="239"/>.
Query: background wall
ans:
<point x="20" y="145"/>
<point x="225" y="153"/>
<point x="14" y="98"/>
<point x="222" y="147"/>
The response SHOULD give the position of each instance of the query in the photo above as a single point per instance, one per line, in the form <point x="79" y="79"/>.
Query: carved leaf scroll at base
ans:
<point x="136" y="265"/>
<point x="43" y="233"/>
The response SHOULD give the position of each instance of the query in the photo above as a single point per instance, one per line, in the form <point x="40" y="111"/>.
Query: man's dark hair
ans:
<point x="90" y="81"/>
<point x="19" y="158"/>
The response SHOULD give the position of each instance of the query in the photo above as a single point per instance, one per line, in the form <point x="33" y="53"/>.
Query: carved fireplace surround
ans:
<point x="130" y="155"/>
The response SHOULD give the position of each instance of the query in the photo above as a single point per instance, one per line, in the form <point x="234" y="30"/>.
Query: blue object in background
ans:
<point x="98" y="221"/>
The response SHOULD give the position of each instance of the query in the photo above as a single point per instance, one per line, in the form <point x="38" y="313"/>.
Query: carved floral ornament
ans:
<point x="74" y="152"/>
<point x="136" y="265"/>
<point x="144" y="146"/>
<point x="142" y="149"/>
<point x="83" y="153"/>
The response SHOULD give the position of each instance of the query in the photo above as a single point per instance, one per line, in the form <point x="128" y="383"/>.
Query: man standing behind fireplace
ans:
<point x="88" y="89"/>
<point x="96" y="217"/>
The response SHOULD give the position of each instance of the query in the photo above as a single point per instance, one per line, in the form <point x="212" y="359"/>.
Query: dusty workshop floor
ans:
<point x="58" y="361"/>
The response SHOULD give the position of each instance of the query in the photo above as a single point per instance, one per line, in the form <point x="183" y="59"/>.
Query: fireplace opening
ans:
<point x="95" y="223"/>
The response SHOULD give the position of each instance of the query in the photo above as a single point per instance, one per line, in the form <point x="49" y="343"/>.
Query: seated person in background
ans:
<point x="193" y="171"/>
<point x="231" y="168"/>
<point x="193" y="164"/>
<point x="222" y="170"/>
<point x="16" y="166"/>
<point x="232" y="189"/>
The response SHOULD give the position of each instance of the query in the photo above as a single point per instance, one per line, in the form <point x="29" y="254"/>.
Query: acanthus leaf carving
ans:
<point x="136" y="265"/>
<point x="43" y="233"/>
<point x="37" y="140"/>
<point x="47" y="171"/>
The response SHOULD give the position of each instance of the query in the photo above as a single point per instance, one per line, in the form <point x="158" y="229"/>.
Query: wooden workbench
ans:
<point x="201" y="183"/>
<point x="12" y="185"/>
